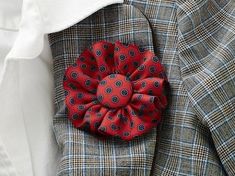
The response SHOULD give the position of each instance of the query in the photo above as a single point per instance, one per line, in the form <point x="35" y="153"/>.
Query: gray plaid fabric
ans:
<point x="196" y="42"/>
<point x="85" y="154"/>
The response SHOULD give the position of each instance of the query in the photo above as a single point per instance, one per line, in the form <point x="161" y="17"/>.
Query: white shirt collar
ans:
<point x="10" y="14"/>
<point x="40" y="17"/>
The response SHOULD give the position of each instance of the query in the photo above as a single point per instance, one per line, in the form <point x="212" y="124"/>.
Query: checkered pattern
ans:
<point x="83" y="153"/>
<point x="195" y="41"/>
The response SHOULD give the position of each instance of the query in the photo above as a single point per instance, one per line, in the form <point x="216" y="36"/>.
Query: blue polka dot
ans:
<point x="141" y="127"/>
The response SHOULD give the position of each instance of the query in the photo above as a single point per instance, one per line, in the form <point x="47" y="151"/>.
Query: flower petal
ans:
<point x="127" y="58"/>
<point x="152" y="86"/>
<point x="150" y="67"/>
<point x="76" y="112"/>
<point x="103" y="54"/>
<point x="95" y="116"/>
<point x="144" y="103"/>
<point x="76" y="80"/>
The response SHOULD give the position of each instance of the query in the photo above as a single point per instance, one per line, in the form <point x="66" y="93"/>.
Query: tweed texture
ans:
<point x="83" y="153"/>
<point x="195" y="41"/>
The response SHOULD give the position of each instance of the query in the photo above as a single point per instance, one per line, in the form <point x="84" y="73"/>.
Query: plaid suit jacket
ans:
<point x="195" y="41"/>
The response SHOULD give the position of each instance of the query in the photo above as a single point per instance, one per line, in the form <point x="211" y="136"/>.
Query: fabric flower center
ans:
<point x="114" y="91"/>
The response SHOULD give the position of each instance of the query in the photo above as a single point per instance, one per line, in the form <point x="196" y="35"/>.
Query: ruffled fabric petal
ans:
<point x="150" y="67"/>
<point x="153" y="86"/>
<point x="74" y="79"/>
<point x="127" y="58"/>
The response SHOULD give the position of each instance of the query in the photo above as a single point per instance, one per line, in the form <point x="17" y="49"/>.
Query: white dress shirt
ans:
<point x="27" y="143"/>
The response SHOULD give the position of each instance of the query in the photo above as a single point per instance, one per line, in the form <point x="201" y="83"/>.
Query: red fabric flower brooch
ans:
<point x="115" y="90"/>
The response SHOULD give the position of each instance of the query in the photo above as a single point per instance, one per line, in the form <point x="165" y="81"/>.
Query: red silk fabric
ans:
<point x="115" y="90"/>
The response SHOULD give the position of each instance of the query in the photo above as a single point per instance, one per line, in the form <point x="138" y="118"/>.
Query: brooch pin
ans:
<point x="115" y="90"/>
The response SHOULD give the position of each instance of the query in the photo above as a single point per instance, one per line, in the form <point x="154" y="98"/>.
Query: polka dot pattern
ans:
<point x="115" y="90"/>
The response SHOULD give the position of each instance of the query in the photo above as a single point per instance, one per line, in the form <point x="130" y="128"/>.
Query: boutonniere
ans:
<point x="115" y="90"/>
